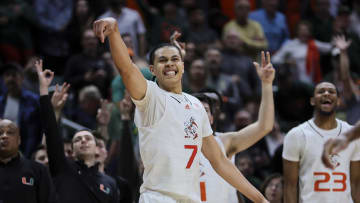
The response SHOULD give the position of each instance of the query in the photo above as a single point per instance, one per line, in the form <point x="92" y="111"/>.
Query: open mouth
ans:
<point x="170" y="73"/>
<point x="326" y="102"/>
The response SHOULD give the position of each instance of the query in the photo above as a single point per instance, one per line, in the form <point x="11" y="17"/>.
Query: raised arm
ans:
<point x="134" y="81"/>
<point x="54" y="142"/>
<point x="59" y="98"/>
<point x="228" y="171"/>
<point x="350" y="88"/>
<point x="235" y="142"/>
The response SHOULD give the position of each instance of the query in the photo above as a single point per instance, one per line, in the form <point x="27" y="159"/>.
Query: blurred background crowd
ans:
<point x="222" y="39"/>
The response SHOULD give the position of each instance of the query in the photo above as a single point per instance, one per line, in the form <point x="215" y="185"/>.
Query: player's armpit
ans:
<point x="291" y="177"/>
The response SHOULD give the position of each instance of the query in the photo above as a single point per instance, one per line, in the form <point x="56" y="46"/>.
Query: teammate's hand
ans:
<point x="105" y="27"/>
<point x="331" y="147"/>
<point x="180" y="45"/>
<point x="60" y="96"/>
<point x="45" y="77"/>
<point x="265" y="71"/>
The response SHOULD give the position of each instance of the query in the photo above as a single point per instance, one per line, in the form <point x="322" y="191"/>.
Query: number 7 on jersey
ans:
<point x="193" y="154"/>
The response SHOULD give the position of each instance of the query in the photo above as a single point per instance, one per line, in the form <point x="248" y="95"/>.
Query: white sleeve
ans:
<point x="293" y="142"/>
<point x="151" y="108"/>
<point x="144" y="102"/>
<point x="356" y="154"/>
<point x="279" y="57"/>
<point x="323" y="47"/>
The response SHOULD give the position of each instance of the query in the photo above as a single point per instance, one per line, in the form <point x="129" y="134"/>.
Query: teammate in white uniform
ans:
<point x="213" y="188"/>
<point x="173" y="126"/>
<point x="304" y="171"/>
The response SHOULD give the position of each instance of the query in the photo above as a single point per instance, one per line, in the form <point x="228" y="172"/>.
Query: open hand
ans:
<point x="341" y="43"/>
<point x="331" y="147"/>
<point x="104" y="27"/>
<point x="266" y="71"/>
<point x="180" y="45"/>
<point x="45" y="77"/>
<point x="103" y="114"/>
<point x="60" y="96"/>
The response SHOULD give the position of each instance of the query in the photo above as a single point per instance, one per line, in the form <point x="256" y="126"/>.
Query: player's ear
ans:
<point x="152" y="69"/>
<point x="312" y="101"/>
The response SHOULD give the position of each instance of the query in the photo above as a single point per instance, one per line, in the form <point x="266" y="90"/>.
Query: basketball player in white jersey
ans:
<point x="334" y="146"/>
<point x="213" y="188"/>
<point x="173" y="126"/>
<point x="304" y="172"/>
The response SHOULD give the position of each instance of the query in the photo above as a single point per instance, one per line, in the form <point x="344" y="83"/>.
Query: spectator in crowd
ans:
<point x="20" y="106"/>
<point x="345" y="80"/>
<point x="40" y="156"/>
<point x="88" y="184"/>
<point x="238" y="65"/>
<point x="89" y="102"/>
<point x="355" y="18"/>
<point x="273" y="23"/>
<point x="272" y="188"/>
<point x="322" y="21"/>
<point x="199" y="32"/>
<point x="16" y="18"/>
<point x="302" y="155"/>
<point x="53" y="17"/>
<point x="291" y="94"/>
<point x="88" y="67"/>
<point x="197" y="75"/>
<point x="274" y="139"/>
<point x="250" y="33"/>
<point x="305" y="52"/>
<point x="222" y="83"/>
<point x="242" y="119"/>
<point x="82" y="19"/>
<point x="245" y="164"/>
<point x="22" y="180"/>
<point x="163" y="22"/>
<point x="129" y="21"/>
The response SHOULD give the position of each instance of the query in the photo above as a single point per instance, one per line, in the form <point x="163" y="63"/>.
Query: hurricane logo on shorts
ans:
<point x="191" y="128"/>
<point x="334" y="159"/>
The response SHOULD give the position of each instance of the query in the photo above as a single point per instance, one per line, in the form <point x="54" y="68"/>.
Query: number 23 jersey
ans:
<point x="171" y="127"/>
<point x="304" y="144"/>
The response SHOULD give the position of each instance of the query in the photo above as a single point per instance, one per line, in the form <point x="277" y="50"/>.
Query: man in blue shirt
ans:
<point x="20" y="106"/>
<point x="273" y="24"/>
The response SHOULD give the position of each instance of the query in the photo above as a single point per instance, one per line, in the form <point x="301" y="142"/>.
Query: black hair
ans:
<point x="38" y="148"/>
<point x="218" y="95"/>
<point x="269" y="179"/>
<point x="203" y="98"/>
<point x="153" y="50"/>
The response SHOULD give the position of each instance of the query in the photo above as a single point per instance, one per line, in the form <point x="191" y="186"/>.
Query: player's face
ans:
<point x="84" y="144"/>
<point x="325" y="98"/>
<point x="42" y="157"/>
<point x="168" y="67"/>
<point x="274" y="190"/>
<point x="101" y="152"/>
<point x="9" y="139"/>
<point x="208" y="112"/>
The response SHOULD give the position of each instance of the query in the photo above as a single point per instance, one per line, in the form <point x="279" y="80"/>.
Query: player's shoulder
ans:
<point x="298" y="130"/>
<point x="192" y="98"/>
<point x="345" y="125"/>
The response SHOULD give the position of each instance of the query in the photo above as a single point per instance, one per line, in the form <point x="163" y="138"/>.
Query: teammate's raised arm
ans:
<point x="134" y="81"/>
<point x="334" y="146"/>
<point x="237" y="141"/>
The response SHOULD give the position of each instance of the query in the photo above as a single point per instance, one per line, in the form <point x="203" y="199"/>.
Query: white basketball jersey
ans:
<point x="171" y="127"/>
<point x="317" y="183"/>
<point x="213" y="188"/>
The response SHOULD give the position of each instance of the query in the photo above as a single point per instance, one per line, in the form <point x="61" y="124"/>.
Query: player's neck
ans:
<point x="326" y="122"/>
<point x="175" y="89"/>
